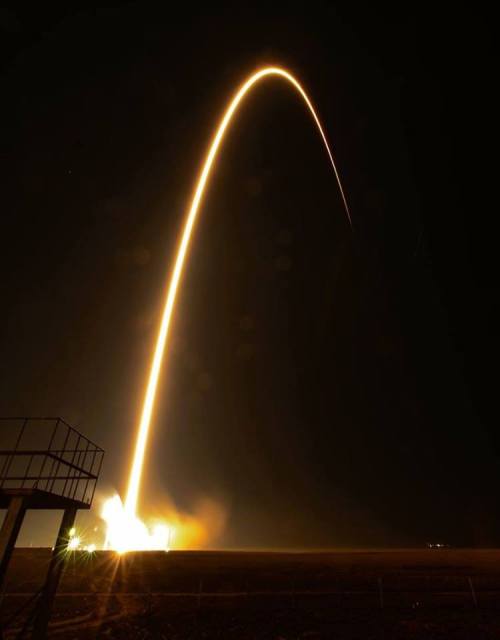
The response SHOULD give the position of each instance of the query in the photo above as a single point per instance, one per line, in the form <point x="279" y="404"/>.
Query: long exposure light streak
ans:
<point x="154" y="374"/>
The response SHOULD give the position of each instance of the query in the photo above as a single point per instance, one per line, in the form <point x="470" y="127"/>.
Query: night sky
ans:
<point x="328" y="387"/>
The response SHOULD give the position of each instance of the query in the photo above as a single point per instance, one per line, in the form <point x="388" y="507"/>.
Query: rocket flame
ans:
<point x="127" y="532"/>
<point x="130" y="507"/>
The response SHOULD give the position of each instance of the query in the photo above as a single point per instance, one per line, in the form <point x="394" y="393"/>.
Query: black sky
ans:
<point x="328" y="387"/>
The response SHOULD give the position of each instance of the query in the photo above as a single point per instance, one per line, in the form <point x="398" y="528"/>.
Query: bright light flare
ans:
<point x="74" y="543"/>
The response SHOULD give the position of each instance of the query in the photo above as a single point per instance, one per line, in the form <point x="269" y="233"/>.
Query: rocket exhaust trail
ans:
<point x="149" y="399"/>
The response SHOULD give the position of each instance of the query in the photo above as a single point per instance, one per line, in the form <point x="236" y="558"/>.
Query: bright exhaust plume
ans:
<point x="125" y="530"/>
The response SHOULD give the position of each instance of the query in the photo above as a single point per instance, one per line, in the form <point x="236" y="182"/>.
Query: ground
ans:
<point x="410" y="594"/>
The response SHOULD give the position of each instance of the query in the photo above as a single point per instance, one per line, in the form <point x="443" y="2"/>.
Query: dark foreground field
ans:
<point x="408" y="594"/>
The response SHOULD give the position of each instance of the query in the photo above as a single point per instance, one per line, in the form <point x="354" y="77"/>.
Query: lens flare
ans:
<point x="74" y="543"/>
<point x="130" y="507"/>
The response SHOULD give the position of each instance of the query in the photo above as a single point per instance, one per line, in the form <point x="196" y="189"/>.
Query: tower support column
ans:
<point x="56" y="567"/>
<point x="9" y="532"/>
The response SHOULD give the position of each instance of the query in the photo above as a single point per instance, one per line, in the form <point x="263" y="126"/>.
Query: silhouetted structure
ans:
<point x="44" y="464"/>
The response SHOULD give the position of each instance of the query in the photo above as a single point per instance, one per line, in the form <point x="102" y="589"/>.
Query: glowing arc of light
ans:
<point x="145" y="421"/>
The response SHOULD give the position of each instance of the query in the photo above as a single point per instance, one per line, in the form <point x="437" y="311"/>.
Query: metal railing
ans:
<point x="50" y="455"/>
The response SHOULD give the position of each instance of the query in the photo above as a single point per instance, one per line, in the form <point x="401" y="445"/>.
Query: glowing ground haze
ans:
<point x="125" y="531"/>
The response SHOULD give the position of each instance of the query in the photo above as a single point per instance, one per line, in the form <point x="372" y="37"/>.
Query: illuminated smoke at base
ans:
<point x="174" y="530"/>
